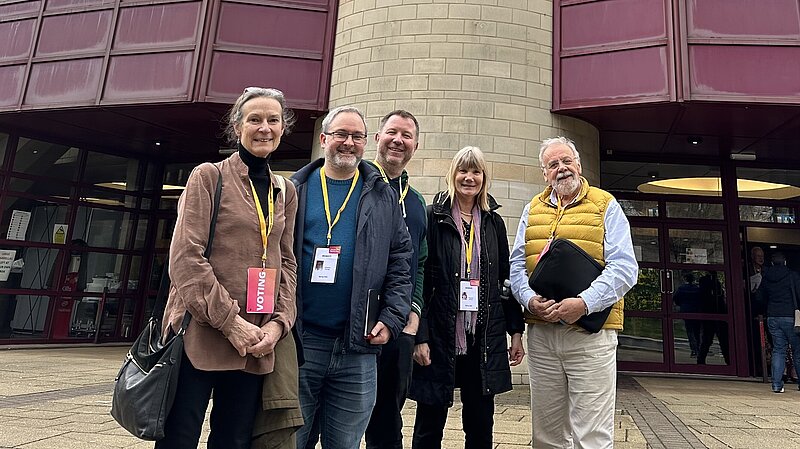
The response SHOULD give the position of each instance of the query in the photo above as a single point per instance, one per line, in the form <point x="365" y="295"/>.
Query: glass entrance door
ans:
<point x="677" y="317"/>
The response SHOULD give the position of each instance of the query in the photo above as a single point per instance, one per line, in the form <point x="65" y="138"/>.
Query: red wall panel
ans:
<point x="743" y="18"/>
<point x="145" y="26"/>
<point x="616" y="76"/>
<point x="746" y="71"/>
<point x="18" y="37"/>
<point x="11" y="84"/>
<point x="152" y="75"/>
<point x="600" y="23"/>
<point x="231" y="72"/>
<point x="72" y="81"/>
<point x="277" y="27"/>
<point x="74" y="33"/>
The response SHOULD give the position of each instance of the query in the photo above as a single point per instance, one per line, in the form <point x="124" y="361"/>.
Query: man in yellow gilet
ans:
<point x="572" y="372"/>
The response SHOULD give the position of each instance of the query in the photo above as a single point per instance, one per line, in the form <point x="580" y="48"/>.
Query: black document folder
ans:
<point x="565" y="271"/>
<point x="373" y="311"/>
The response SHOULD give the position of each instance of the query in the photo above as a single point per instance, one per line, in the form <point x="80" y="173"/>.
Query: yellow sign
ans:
<point x="60" y="234"/>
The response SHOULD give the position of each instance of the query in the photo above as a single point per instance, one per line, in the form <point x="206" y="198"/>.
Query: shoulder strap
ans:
<point x="282" y="185"/>
<point x="163" y="288"/>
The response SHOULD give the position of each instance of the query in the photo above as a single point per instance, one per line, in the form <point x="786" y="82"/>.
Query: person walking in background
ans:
<point x="572" y="372"/>
<point x="779" y="291"/>
<point x="462" y="335"/>
<point x="348" y="218"/>
<point x="227" y="349"/>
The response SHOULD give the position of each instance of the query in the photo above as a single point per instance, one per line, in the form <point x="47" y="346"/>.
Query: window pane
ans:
<point x="768" y="183"/>
<point x="164" y="232"/>
<point x="695" y="291"/>
<point x="103" y="197"/>
<point x="103" y="228"/>
<point x="135" y="272"/>
<point x="151" y="184"/>
<point x="645" y="244"/>
<point x="767" y="214"/>
<point x="646" y="294"/>
<point x="23" y="316"/>
<point x="36" y="271"/>
<point x="175" y="176"/>
<point x="141" y="233"/>
<point x="711" y="340"/>
<point x="50" y="188"/>
<point x="41" y="216"/>
<point x="157" y="269"/>
<point x="711" y="211"/>
<point x="642" y="340"/>
<point x="46" y="159"/>
<point x="637" y="208"/>
<point x="3" y="145"/>
<point x="695" y="246"/>
<point x="110" y="171"/>
<point x="103" y="271"/>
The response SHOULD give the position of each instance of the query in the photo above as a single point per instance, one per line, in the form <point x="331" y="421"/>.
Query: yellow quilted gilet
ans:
<point x="582" y="223"/>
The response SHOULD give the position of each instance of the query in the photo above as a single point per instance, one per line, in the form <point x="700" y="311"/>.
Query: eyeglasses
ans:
<point x="341" y="136"/>
<point x="265" y="90"/>
<point x="554" y="164"/>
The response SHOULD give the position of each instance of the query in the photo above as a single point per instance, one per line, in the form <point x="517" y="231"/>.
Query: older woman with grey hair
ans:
<point x="230" y="340"/>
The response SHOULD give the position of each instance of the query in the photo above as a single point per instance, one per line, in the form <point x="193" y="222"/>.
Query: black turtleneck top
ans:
<point x="258" y="170"/>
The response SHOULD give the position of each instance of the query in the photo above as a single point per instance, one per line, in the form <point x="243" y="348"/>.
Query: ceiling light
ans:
<point x="695" y="140"/>
<point x="158" y="144"/>
<point x="743" y="156"/>
<point x="712" y="186"/>
<point x="773" y="246"/>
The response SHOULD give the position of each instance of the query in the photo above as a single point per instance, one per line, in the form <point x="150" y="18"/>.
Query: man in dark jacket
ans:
<point x="351" y="243"/>
<point x="779" y="287"/>
<point x="397" y="141"/>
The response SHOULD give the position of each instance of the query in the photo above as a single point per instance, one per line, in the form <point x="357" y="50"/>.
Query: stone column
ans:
<point x="474" y="72"/>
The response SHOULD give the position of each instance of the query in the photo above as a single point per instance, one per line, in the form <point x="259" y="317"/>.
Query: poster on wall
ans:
<point x="59" y="234"/>
<point x="19" y="225"/>
<point x="6" y="258"/>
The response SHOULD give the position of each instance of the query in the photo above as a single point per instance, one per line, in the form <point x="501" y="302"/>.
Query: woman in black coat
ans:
<point x="462" y="336"/>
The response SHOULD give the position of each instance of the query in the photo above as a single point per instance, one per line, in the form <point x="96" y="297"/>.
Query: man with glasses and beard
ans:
<point x="572" y="372"/>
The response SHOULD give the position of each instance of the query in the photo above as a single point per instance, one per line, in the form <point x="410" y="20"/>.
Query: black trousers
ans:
<point x="477" y="413"/>
<point x="237" y="399"/>
<point x="385" y="430"/>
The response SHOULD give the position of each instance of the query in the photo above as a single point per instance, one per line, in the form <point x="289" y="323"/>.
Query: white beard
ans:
<point x="566" y="186"/>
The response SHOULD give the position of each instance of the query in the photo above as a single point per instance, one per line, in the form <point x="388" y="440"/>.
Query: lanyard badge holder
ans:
<point x="326" y="258"/>
<point x="261" y="281"/>
<point x="468" y="289"/>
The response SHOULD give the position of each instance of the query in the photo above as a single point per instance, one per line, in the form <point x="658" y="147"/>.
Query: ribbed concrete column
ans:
<point x="474" y="72"/>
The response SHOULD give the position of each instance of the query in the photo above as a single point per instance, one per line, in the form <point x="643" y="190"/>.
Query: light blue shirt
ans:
<point x="619" y="274"/>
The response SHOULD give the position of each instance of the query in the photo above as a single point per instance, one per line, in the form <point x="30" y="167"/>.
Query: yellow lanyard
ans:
<point x="559" y="216"/>
<point x="469" y="247"/>
<point x="265" y="229"/>
<point x="331" y="224"/>
<point x="403" y="192"/>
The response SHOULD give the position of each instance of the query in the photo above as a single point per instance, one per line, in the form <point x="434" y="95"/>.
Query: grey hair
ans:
<point x="326" y="123"/>
<point x="235" y="117"/>
<point x="547" y="143"/>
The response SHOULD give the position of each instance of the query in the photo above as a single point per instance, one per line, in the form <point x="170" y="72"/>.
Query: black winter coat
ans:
<point x="776" y="290"/>
<point x="434" y="384"/>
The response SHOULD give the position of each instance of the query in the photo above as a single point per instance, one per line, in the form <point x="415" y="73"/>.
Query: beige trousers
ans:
<point x="573" y="377"/>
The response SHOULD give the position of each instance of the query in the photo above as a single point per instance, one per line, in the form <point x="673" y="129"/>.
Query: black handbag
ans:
<point x="564" y="271"/>
<point x="145" y="386"/>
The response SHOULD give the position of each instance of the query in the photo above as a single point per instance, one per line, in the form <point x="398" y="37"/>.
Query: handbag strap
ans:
<point x="163" y="288"/>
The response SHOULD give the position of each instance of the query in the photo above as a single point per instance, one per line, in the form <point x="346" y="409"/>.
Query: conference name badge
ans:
<point x="261" y="290"/>
<point x="323" y="267"/>
<point x="468" y="296"/>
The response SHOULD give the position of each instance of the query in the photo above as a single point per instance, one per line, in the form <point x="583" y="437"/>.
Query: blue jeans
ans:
<point x="342" y="386"/>
<point x="782" y="330"/>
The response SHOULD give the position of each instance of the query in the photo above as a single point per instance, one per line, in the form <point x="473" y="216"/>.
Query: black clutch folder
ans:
<point x="373" y="311"/>
<point x="564" y="271"/>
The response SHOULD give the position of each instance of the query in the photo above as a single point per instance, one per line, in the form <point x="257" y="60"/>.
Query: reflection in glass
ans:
<point x="104" y="271"/>
<point x="135" y="271"/>
<point x="767" y="214"/>
<point x="645" y="244"/>
<point x="44" y="216"/>
<point x="695" y="291"/>
<point x="638" y="208"/>
<point x="104" y="197"/>
<point x="157" y="269"/>
<point x="646" y="294"/>
<point x="103" y="228"/>
<point x="151" y="178"/>
<point x="696" y="246"/>
<point x="164" y="232"/>
<point x="50" y="188"/>
<point x="3" y="145"/>
<point x="141" y="233"/>
<point x="23" y="316"/>
<point x="712" y="344"/>
<point x="708" y="211"/>
<point x="126" y="330"/>
<point x="788" y="182"/>
<point x="109" y="171"/>
<point x="46" y="159"/>
<point x="642" y="340"/>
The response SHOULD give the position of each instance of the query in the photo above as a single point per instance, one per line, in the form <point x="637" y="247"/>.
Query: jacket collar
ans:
<point x="369" y="172"/>
<point x="442" y="204"/>
<point x="241" y="169"/>
<point x="545" y="196"/>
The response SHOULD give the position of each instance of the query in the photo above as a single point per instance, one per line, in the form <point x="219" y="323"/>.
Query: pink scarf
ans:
<point x="465" y="320"/>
